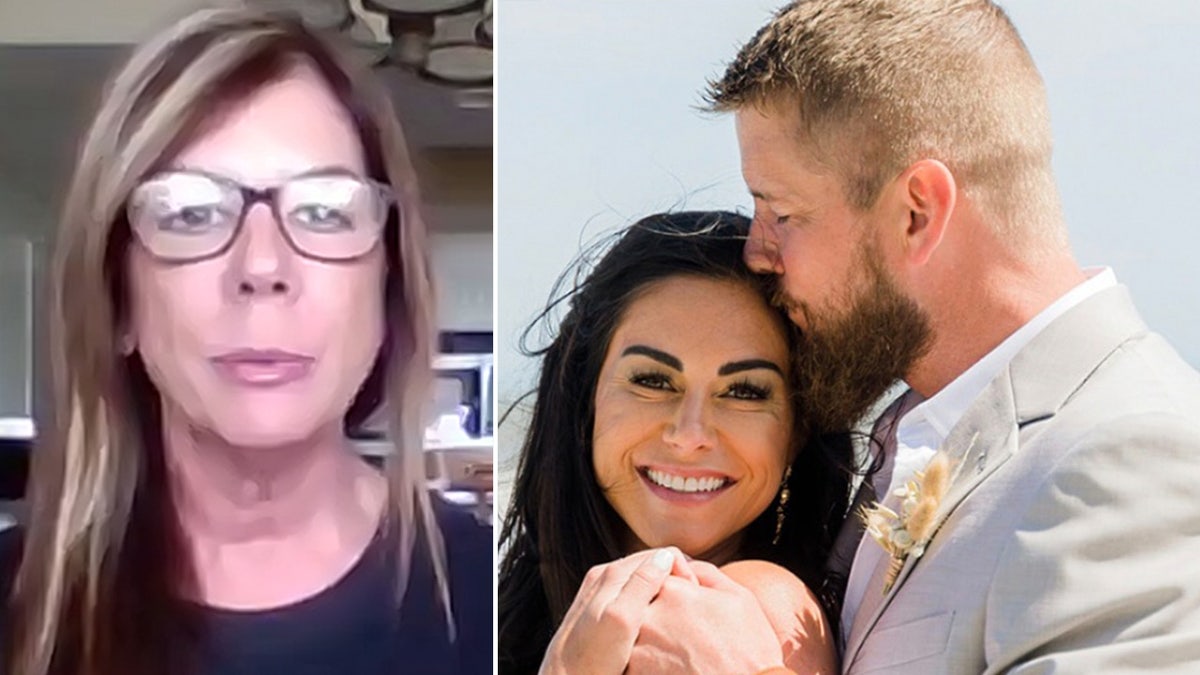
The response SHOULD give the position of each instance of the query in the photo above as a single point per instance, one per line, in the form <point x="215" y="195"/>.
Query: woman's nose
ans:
<point x="691" y="427"/>
<point x="262" y="264"/>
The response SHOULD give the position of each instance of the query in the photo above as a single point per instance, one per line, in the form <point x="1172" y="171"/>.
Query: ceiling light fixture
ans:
<point x="448" y="42"/>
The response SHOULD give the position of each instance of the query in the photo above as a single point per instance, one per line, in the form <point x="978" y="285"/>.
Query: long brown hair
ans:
<point x="104" y="575"/>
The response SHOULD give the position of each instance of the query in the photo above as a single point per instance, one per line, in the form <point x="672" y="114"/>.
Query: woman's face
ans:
<point x="261" y="345"/>
<point x="693" y="414"/>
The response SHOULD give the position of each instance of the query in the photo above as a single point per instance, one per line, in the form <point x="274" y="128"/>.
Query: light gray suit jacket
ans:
<point x="1070" y="540"/>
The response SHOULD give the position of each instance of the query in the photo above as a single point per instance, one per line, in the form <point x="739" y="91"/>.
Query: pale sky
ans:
<point x="596" y="128"/>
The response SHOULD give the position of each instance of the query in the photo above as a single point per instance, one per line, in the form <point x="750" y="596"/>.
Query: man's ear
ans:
<point x="929" y="192"/>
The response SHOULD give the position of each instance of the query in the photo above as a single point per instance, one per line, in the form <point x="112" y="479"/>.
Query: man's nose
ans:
<point x="761" y="253"/>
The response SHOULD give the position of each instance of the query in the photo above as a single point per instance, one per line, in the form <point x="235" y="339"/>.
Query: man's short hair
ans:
<point x="878" y="84"/>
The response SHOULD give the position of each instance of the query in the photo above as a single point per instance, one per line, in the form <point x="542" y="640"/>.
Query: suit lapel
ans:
<point x="982" y="441"/>
<point x="846" y="545"/>
<point x="1034" y="386"/>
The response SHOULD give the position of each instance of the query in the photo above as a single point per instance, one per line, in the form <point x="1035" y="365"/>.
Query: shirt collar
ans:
<point x="932" y="420"/>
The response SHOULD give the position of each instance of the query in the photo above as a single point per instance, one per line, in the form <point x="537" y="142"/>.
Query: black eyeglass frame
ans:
<point x="270" y="196"/>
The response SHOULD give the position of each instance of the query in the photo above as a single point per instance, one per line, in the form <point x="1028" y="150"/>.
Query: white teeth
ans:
<point x="681" y="484"/>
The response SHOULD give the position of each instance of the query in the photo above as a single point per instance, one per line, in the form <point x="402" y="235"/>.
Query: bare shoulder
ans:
<point x="768" y="579"/>
<point x="794" y="612"/>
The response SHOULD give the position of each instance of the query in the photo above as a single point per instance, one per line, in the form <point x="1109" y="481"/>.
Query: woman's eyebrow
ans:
<point x="749" y="364"/>
<point x="316" y="170"/>
<point x="656" y="354"/>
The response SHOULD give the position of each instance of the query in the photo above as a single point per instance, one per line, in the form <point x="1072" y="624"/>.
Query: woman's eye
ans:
<point x="748" y="391"/>
<point x="191" y="219"/>
<point x="651" y="381"/>
<point x="322" y="217"/>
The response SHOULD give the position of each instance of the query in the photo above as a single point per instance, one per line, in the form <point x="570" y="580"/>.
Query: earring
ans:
<point x="784" y="494"/>
<point x="126" y="345"/>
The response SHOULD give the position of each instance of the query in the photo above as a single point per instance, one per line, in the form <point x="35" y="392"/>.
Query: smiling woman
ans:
<point x="241" y="275"/>
<point x="666" y="416"/>
<point x="692" y="434"/>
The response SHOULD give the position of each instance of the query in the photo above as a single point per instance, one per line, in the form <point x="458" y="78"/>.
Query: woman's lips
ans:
<point x="263" y="368"/>
<point x="685" y="485"/>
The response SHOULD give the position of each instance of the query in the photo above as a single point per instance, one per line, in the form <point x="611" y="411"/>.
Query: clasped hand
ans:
<point x="658" y="612"/>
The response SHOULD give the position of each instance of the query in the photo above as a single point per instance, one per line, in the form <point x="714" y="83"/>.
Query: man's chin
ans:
<point x="844" y="365"/>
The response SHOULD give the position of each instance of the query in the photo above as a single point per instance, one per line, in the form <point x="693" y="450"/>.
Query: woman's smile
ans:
<point x="693" y="427"/>
<point x="685" y="486"/>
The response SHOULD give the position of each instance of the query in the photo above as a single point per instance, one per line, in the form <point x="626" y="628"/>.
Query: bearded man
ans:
<point x="899" y="155"/>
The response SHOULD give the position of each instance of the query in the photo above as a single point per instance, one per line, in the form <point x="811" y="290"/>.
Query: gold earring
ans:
<point x="784" y="494"/>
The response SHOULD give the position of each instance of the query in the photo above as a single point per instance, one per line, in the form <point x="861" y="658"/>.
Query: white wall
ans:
<point x="19" y="215"/>
<point x="19" y="246"/>
<point x="115" y="21"/>
<point x="462" y="273"/>
<point x="86" y="21"/>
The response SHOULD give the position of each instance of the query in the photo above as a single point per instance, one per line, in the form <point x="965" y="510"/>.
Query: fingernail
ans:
<point x="663" y="559"/>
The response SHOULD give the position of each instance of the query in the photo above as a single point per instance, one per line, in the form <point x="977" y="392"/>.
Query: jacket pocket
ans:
<point x="905" y="643"/>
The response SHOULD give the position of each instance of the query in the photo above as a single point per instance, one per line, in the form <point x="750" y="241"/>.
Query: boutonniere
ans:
<point x="906" y="534"/>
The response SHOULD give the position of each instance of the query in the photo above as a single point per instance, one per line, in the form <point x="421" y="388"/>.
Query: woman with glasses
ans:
<point x="241" y="273"/>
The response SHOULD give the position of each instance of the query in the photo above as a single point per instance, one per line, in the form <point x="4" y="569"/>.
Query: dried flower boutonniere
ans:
<point x="908" y="533"/>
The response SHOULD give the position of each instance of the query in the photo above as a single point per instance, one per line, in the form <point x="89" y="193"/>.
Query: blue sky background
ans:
<point x="596" y="127"/>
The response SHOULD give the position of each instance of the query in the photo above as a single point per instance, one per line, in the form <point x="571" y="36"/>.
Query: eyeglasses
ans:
<point x="188" y="216"/>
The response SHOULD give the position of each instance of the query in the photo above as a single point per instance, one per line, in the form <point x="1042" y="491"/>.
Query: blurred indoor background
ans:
<point x="436" y="59"/>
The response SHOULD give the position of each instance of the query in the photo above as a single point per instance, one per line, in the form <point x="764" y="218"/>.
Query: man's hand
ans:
<point x="597" y="634"/>
<point x="716" y="627"/>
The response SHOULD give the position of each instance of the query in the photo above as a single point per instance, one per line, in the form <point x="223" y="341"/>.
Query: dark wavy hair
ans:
<point x="559" y="524"/>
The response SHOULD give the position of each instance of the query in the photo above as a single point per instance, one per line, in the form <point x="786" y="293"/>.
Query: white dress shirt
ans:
<point x="925" y="427"/>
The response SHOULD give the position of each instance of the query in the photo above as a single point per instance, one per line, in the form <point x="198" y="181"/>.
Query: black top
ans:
<point x="355" y="628"/>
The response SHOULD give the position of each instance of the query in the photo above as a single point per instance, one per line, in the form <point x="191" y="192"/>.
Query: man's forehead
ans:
<point x="772" y="181"/>
<point x="759" y="193"/>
